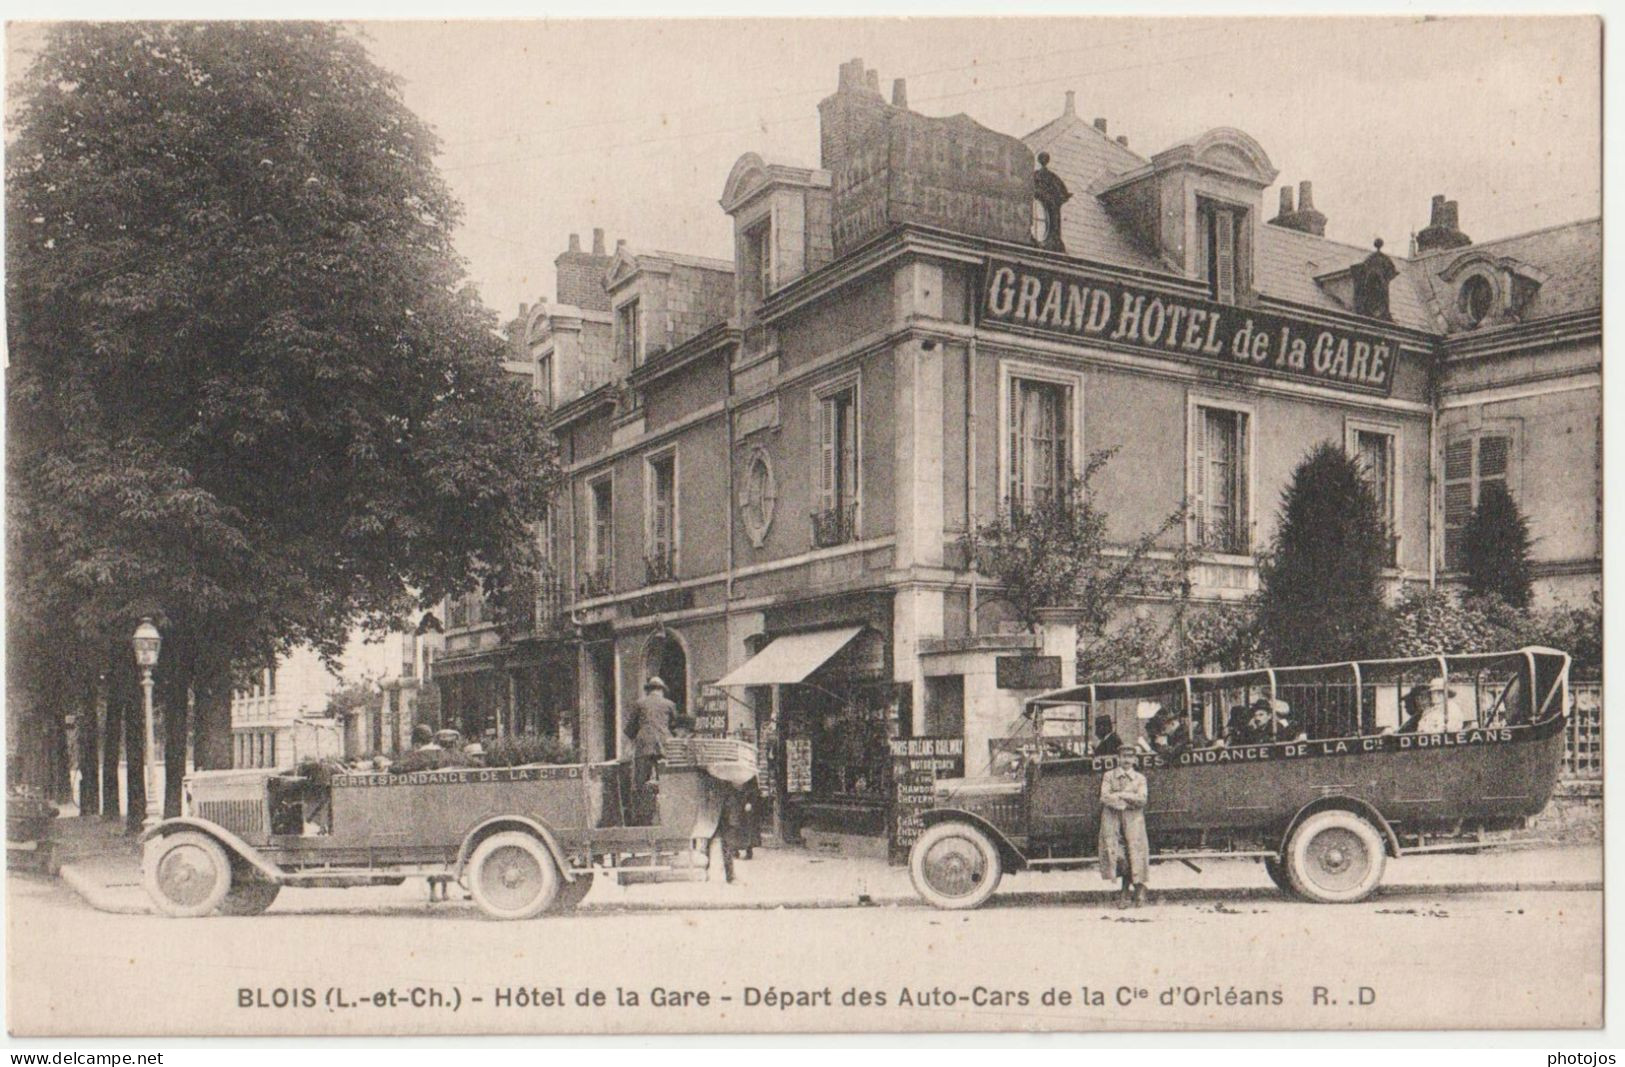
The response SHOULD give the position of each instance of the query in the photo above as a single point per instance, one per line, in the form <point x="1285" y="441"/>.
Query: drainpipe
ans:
<point x="1435" y="460"/>
<point x="970" y="470"/>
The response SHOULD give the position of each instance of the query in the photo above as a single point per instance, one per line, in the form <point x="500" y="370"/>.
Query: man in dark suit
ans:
<point x="1107" y="743"/>
<point x="648" y="725"/>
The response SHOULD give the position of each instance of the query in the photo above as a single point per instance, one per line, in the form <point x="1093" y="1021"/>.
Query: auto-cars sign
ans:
<point x="1116" y="314"/>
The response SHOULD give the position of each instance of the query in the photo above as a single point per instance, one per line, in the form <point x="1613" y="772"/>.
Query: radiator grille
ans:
<point x="241" y="817"/>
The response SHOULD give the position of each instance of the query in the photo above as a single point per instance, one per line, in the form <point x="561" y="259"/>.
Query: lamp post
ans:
<point x="146" y="641"/>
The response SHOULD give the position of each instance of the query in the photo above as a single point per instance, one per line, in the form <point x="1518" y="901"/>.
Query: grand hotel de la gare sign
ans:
<point x="1074" y="305"/>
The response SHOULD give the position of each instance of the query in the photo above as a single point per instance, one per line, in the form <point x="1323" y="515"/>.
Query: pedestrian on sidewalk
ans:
<point x="1124" y="850"/>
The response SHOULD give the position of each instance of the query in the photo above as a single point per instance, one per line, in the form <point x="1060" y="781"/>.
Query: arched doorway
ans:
<point x="665" y="656"/>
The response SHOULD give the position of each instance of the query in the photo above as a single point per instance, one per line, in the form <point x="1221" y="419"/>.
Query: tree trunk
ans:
<point x="135" y="742"/>
<point x="211" y="719"/>
<point x="58" y="761"/>
<point x="90" y="743"/>
<point x="176" y="720"/>
<point x="114" y="704"/>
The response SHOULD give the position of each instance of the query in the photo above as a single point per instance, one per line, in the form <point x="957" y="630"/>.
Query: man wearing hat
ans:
<point x="1259" y="729"/>
<point x="648" y="725"/>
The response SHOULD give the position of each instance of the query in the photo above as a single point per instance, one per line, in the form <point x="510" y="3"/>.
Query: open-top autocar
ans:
<point x="522" y="839"/>
<point x="1362" y="761"/>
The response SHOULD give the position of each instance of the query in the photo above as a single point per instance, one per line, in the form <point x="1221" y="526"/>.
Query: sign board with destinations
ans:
<point x="1027" y="672"/>
<point x="798" y="765"/>
<point x="916" y="764"/>
<point x="711" y="713"/>
<point x="1086" y="307"/>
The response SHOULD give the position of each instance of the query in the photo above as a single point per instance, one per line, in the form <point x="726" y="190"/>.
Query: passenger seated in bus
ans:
<point x="1259" y="729"/>
<point x="1234" y="726"/>
<point x="1424" y="709"/>
<point x="1107" y="743"/>
<point x="1177" y="735"/>
<point x="1288" y="727"/>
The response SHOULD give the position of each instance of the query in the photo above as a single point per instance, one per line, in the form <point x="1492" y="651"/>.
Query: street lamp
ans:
<point x="146" y="641"/>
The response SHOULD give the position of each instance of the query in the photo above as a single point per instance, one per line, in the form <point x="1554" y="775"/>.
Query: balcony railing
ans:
<point x="660" y="567"/>
<point x="835" y="526"/>
<point x="1225" y="536"/>
<point x="596" y="582"/>
<point x="552" y="605"/>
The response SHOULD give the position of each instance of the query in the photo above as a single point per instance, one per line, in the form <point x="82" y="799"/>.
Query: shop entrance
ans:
<point x="664" y="657"/>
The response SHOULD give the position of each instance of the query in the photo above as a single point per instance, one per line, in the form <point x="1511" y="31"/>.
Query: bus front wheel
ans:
<point x="954" y="865"/>
<point x="1335" y="857"/>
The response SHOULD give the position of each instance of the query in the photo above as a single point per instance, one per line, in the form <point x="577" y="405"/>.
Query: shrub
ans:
<point x="1495" y="547"/>
<point x="522" y="751"/>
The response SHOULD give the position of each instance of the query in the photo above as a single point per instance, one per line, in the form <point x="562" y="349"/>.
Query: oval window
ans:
<point x="1477" y="295"/>
<point x="759" y="497"/>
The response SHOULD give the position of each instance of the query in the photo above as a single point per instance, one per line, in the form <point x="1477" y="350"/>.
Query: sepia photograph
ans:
<point x="634" y="526"/>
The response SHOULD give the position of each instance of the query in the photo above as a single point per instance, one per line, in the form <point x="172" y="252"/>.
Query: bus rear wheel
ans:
<point x="249" y="896"/>
<point x="954" y="865"/>
<point x="1335" y="857"/>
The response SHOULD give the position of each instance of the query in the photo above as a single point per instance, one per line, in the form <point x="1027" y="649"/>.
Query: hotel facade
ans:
<point x="772" y="461"/>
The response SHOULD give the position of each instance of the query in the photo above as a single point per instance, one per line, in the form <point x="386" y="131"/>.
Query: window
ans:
<point x="1219" y="479"/>
<point x="629" y="333"/>
<point x="1226" y="250"/>
<point x="1470" y="463"/>
<point x="601" y="538"/>
<point x="1374" y="451"/>
<point x="661" y="532"/>
<point x="758" y="500"/>
<point x="544" y="381"/>
<point x="1039" y="422"/>
<point x="1477" y="296"/>
<point x="835" y="523"/>
<point x="758" y="263"/>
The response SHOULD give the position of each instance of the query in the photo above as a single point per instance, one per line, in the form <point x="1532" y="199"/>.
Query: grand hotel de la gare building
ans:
<point x="772" y="459"/>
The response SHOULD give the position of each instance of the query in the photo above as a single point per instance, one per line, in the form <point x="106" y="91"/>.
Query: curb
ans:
<point x="95" y="894"/>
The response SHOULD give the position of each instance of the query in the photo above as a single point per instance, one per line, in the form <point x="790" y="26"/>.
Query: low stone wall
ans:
<point x="1574" y="814"/>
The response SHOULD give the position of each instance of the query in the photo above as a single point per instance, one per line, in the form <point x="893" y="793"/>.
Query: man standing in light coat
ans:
<point x="1124" y="850"/>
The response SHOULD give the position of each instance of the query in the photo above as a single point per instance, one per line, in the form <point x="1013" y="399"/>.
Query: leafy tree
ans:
<point x="249" y="393"/>
<point x="1320" y="585"/>
<point x="1054" y="555"/>
<point x="1572" y="628"/>
<point x="1432" y="622"/>
<point x="1225" y="637"/>
<point x="1495" y="547"/>
<point x="351" y="697"/>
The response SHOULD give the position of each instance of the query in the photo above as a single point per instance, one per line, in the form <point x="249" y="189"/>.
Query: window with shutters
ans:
<point x="757" y="277"/>
<point x="835" y="521"/>
<point x="629" y="333"/>
<point x="600" y="538"/>
<point x="660" y="562"/>
<point x="1038" y="422"/>
<point x="1471" y="461"/>
<point x="1221" y="489"/>
<point x="1226" y="250"/>
<point x="1375" y="449"/>
<point x="544" y="381"/>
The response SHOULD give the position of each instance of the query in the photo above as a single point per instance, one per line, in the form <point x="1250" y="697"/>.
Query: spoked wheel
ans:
<point x="249" y="896"/>
<point x="1335" y="857"/>
<point x="1277" y="872"/>
<point x="954" y="865"/>
<point x="187" y="874"/>
<point x="512" y="876"/>
<point x="571" y="894"/>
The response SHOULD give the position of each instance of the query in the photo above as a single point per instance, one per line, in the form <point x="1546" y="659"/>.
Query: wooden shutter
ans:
<point x="1018" y="455"/>
<point x="1241" y="531"/>
<point x="1224" y="256"/>
<point x="1199" y="508"/>
<point x="1458" y="497"/>
<point x="1494" y="454"/>
<point x="826" y="453"/>
<point x="847" y="410"/>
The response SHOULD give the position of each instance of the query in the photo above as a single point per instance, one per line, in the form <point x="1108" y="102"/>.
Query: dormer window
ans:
<point x="544" y="381"/>
<point x="1476" y="300"/>
<point x="1226" y="250"/>
<point x="757" y="269"/>
<point x="629" y="334"/>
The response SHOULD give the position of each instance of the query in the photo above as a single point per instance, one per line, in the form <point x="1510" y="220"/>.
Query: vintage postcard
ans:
<point x="734" y="526"/>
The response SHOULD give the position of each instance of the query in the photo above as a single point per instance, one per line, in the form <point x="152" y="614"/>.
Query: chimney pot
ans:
<point x="597" y="240"/>
<point x="1452" y="217"/>
<point x="575" y="242"/>
<point x="871" y="79"/>
<point x="851" y="76"/>
<point x="1286" y="200"/>
<point x="1071" y="103"/>
<point x="1436" y="216"/>
<point x="1122" y="139"/>
<point x="1306" y="196"/>
<point x="1100" y="124"/>
<point x="620" y="243"/>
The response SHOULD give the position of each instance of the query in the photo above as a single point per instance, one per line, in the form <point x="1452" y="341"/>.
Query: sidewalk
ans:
<point x="103" y="866"/>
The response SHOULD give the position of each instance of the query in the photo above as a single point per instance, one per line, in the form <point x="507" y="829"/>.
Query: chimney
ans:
<point x="1122" y="139"/>
<point x="872" y="80"/>
<point x="1071" y="104"/>
<point x="1100" y="124"/>
<point x="620" y="245"/>
<point x="850" y="113"/>
<point x="899" y="92"/>
<point x="581" y="274"/>
<point x="1443" y="230"/>
<point x="1305" y="219"/>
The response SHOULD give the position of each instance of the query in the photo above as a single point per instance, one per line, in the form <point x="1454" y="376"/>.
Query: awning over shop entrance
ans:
<point x="791" y="658"/>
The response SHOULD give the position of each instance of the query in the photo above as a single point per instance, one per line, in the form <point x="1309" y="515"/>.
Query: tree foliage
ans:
<point x="249" y="393"/>
<point x="1320" y="585"/>
<point x="1495" y="547"/>
<point x="1433" y="622"/>
<point x="1054" y="554"/>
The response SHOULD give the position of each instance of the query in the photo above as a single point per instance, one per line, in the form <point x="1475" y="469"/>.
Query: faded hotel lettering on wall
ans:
<point x="1082" y="306"/>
